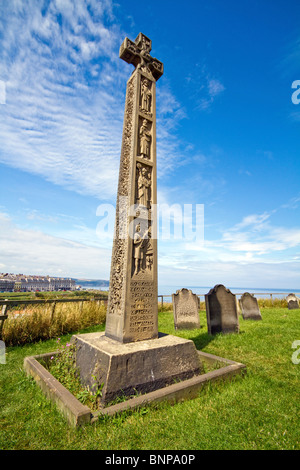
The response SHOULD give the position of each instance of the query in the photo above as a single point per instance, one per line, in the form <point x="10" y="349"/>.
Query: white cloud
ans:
<point x="257" y="221"/>
<point x="253" y="253"/>
<point x="293" y="203"/>
<point x="253" y="240"/>
<point x="291" y="57"/>
<point x="32" y="251"/>
<point x="262" y="275"/>
<point x="2" y="92"/>
<point x="65" y="93"/>
<point x="254" y="234"/>
<point x="215" y="87"/>
<point x="57" y="123"/>
<point x="241" y="257"/>
<point x="204" y="88"/>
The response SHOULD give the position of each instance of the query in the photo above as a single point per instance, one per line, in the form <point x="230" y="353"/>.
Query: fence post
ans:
<point x="2" y="353"/>
<point x="52" y="312"/>
<point x="3" y="317"/>
<point x="271" y="295"/>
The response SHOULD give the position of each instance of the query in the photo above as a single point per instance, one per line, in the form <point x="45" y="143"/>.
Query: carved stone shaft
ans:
<point x="132" y="307"/>
<point x="131" y="356"/>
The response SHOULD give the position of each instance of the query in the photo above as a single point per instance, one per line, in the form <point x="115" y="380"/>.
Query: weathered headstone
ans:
<point x="131" y="355"/>
<point x="249" y="307"/>
<point x="221" y="311"/>
<point x="292" y="301"/>
<point x="185" y="309"/>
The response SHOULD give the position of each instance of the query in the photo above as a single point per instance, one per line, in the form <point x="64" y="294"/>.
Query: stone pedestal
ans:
<point x="127" y="368"/>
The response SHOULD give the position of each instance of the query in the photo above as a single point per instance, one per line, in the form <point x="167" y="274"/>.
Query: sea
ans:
<point x="167" y="290"/>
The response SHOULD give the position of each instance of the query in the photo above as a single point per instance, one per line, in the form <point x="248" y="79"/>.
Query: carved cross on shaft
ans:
<point x="137" y="53"/>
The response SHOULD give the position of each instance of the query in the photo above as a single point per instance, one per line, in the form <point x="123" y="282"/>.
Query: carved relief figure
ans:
<point x="145" y="96"/>
<point x="139" y="246"/>
<point x="143" y="187"/>
<point x="145" y="47"/>
<point x="149" y="251"/>
<point x="145" y="140"/>
<point x="149" y="261"/>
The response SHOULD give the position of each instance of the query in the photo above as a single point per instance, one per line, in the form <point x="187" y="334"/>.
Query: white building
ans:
<point x="6" y="285"/>
<point x="34" y="283"/>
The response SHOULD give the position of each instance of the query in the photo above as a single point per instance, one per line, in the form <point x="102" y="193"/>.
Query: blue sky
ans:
<point x="228" y="135"/>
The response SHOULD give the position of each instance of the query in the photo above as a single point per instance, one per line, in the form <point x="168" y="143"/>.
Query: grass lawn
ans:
<point x="257" y="411"/>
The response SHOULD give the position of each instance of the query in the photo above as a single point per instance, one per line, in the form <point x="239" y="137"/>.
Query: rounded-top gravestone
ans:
<point x="185" y="309"/>
<point x="249" y="307"/>
<point x="293" y="302"/>
<point x="221" y="311"/>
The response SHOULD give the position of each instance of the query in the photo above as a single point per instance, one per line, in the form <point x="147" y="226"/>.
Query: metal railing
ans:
<point x="13" y="303"/>
<point x="271" y="294"/>
<point x="6" y="304"/>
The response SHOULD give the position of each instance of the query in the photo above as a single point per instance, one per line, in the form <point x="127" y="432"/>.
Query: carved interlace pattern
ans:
<point x="118" y="264"/>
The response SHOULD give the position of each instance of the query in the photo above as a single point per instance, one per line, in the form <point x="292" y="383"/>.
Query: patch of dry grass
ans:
<point x="272" y="303"/>
<point x="40" y="322"/>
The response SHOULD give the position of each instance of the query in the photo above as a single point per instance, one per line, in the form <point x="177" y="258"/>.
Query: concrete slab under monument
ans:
<point x="78" y="414"/>
<point x="127" y="368"/>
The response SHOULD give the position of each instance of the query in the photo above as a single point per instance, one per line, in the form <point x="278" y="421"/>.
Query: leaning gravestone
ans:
<point x="185" y="309"/>
<point x="249" y="307"/>
<point x="221" y="311"/>
<point x="293" y="302"/>
<point x="131" y="355"/>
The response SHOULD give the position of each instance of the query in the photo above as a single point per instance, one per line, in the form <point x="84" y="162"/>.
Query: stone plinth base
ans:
<point x="143" y="366"/>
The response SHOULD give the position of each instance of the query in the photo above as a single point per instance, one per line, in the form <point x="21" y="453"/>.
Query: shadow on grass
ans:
<point x="202" y="340"/>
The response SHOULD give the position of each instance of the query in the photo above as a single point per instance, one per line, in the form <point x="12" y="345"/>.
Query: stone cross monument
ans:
<point x="132" y="305"/>
<point x="131" y="356"/>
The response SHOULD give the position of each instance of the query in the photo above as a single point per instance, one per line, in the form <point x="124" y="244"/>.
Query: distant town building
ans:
<point x="17" y="286"/>
<point x="6" y="285"/>
<point x="22" y="283"/>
